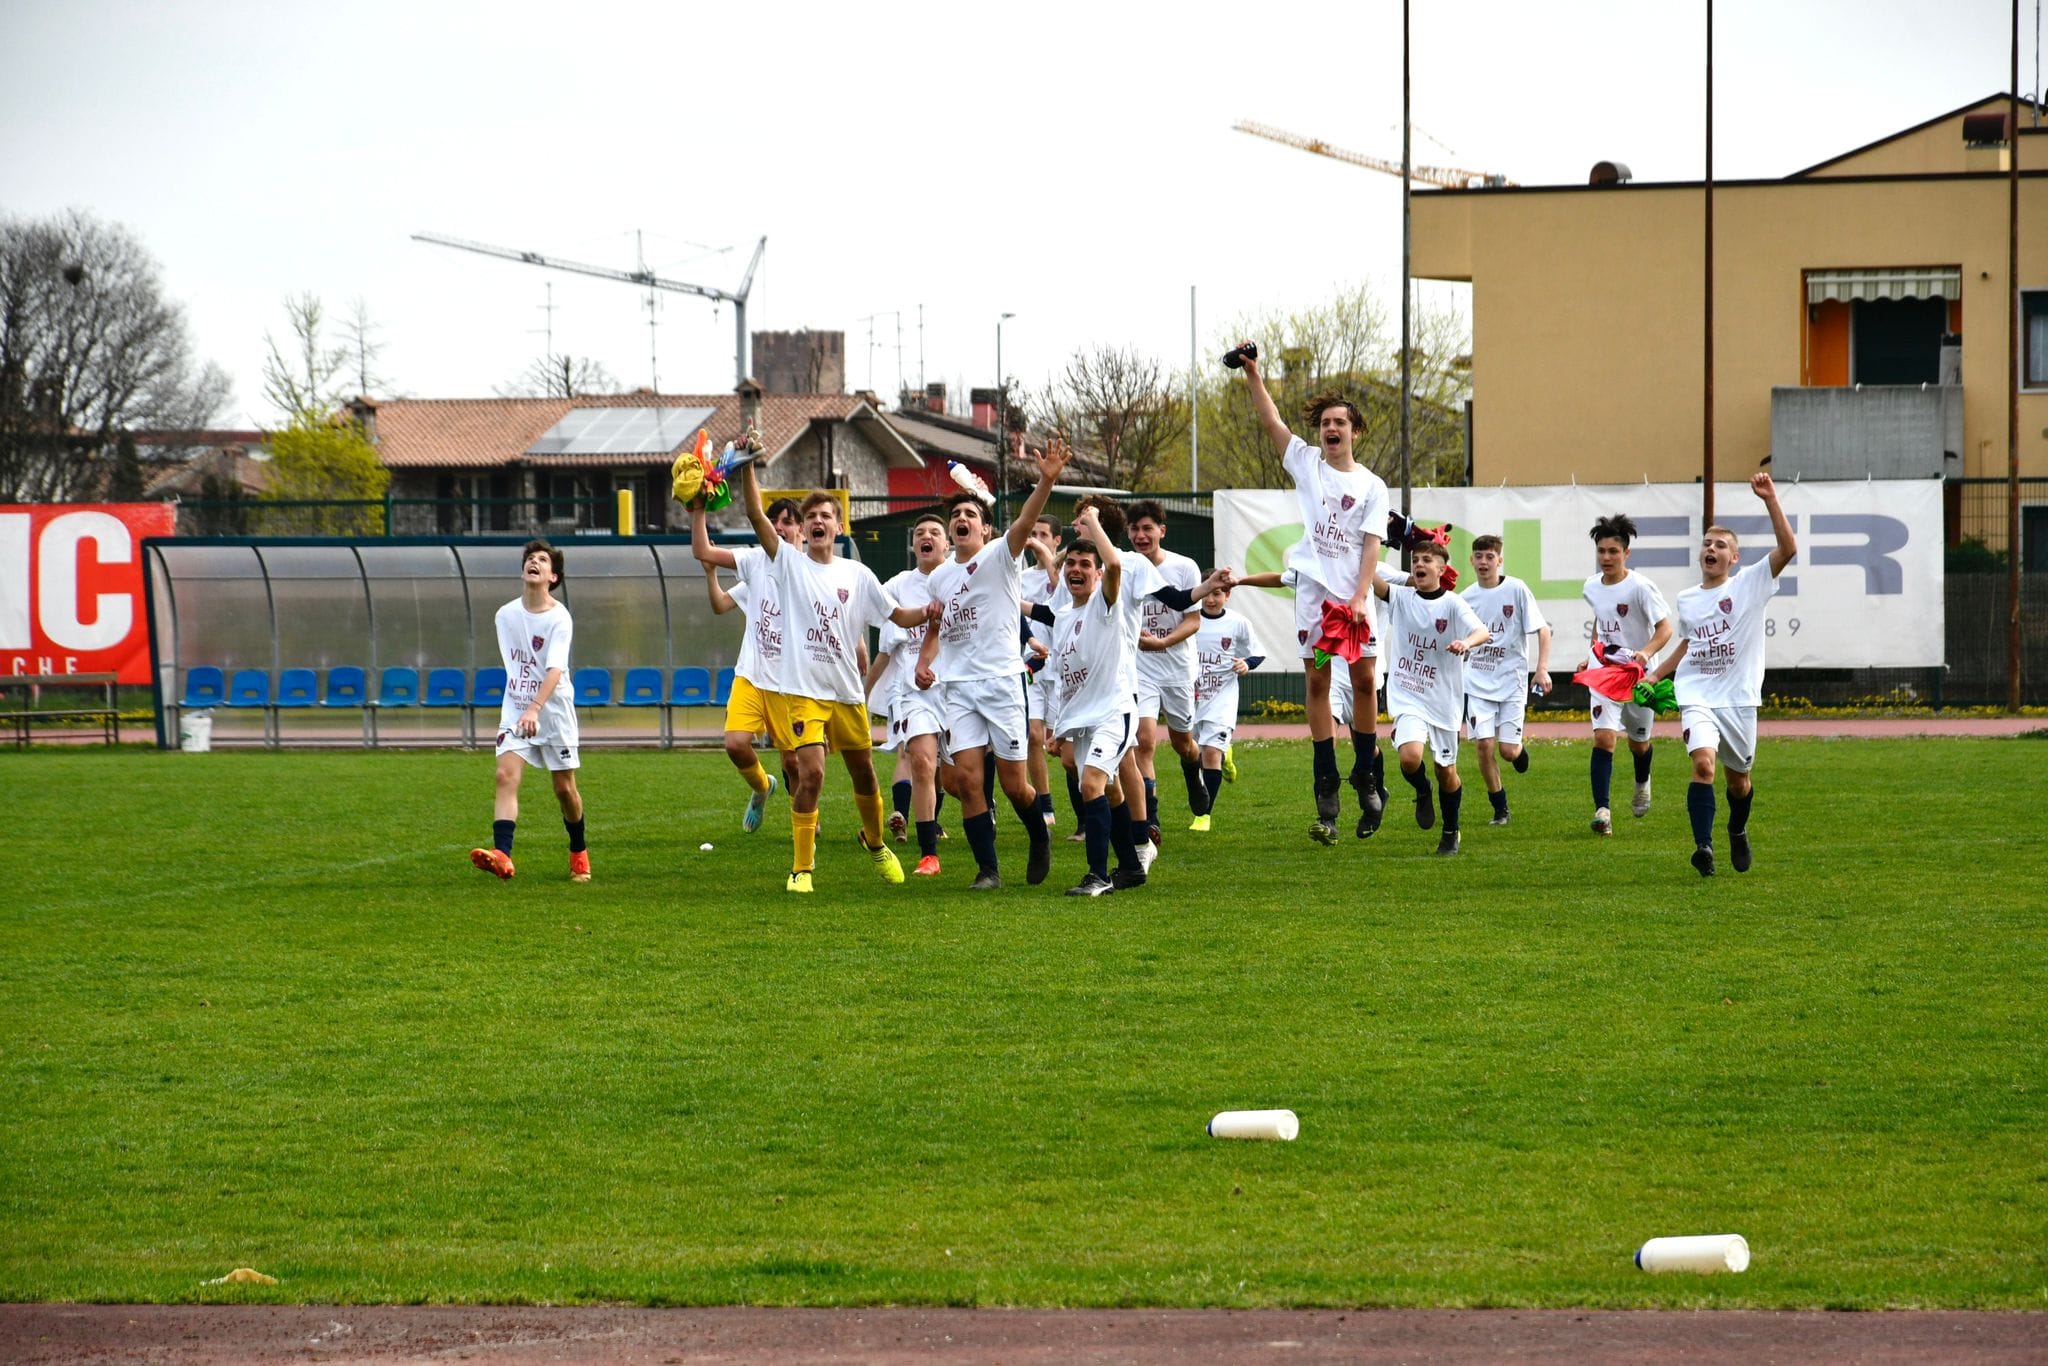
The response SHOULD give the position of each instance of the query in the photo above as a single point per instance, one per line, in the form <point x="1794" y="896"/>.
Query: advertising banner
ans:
<point x="71" y="587"/>
<point x="1864" y="592"/>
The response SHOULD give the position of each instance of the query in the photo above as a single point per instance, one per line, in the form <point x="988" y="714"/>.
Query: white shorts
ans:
<point x="1729" y="731"/>
<point x="1174" y="702"/>
<point x="551" y="754"/>
<point x="1626" y="717"/>
<point x="1104" y="747"/>
<point x="1308" y="619"/>
<point x="1037" y="696"/>
<point x="1488" y="718"/>
<point x="985" y="711"/>
<point x="1216" y="719"/>
<point x="1442" y="744"/>
<point x="915" y="713"/>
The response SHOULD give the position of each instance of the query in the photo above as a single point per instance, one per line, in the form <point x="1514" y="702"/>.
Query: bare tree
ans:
<point x="358" y="336"/>
<point x="561" y="377"/>
<point x="1122" y="405"/>
<point x="89" y="347"/>
<point x="308" y="381"/>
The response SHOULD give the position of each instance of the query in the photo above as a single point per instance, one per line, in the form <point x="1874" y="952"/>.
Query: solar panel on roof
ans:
<point x="621" y="431"/>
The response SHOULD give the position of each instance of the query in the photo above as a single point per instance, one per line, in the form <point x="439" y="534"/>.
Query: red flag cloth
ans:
<point x="1615" y="682"/>
<point x="1343" y="637"/>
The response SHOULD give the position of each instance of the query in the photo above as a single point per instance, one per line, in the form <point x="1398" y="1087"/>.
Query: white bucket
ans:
<point x="195" y="731"/>
<point x="1704" y="1254"/>
<point x="1278" y="1126"/>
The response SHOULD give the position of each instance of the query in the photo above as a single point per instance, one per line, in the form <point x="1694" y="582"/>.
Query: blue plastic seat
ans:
<point x="296" y="688"/>
<point x="398" y="686"/>
<point x="724" y="693"/>
<point x="641" y="688"/>
<point x="593" y="687"/>
<point x="205" y="686"/>
<point x="346" y="687"/>
<point x="691" y="687"/>
<point x="446" y="688"/>
<point x="489" y="689"/>
<point x="249" y="688"/>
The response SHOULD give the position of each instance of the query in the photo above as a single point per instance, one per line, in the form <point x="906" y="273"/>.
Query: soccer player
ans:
<point x="1036" y="584"/>
<point x="1630" y="619"/>
<point x="829" y="603"/>
<point x="537" y="720"/>
<point x="971" y="653"/>
<point x="912" y="713"/>
<point x="755" y="705"/>
<point x="1343" y="513"/>
<point x="1166" y="660"/>
<point x="1497" y="673"/>
<point x="1223" y="654"/>
<point x="1429" y="631"/>
<point x="1720" y="668"/>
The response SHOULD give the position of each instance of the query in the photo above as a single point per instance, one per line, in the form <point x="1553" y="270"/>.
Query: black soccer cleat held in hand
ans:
<point x="1236" y="356"/>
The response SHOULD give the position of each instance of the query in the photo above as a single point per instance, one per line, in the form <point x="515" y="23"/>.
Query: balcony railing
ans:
<point x="1880" y="431"/>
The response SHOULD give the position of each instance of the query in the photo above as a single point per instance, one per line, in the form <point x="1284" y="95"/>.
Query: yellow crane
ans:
<point x="1448" y="177"/>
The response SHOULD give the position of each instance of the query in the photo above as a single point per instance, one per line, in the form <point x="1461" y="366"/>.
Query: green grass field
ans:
<point x="256" y="1009"/>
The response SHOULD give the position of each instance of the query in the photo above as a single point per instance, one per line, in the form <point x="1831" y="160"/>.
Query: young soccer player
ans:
<point x="1429" y="631"/>
<point x="1223" y="654"/>
<point x="755" y="705"/>
<point x="1720" y="667"/>
<point x="829" y="603"/>
<point x="1629" y="616"/>
<point x="971" y="653"/>
<point x="537" y="720"/>
<point x="1497" y="673"/>
<point x="912" y="713"/>
<point x="1166" y="660"/>
<point x="1343" y="513"/>
<point x="1035" y="584"/>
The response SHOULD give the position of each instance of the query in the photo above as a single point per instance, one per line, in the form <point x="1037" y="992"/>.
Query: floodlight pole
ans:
<point x="1002" y="425"/>
<point x="2012" y="375"/>
<point x="1407" y="268"/>
<point x="1707" y="289"/>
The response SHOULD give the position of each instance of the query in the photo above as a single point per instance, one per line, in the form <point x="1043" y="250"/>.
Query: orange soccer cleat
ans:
<point x="493" y="861"/>
<point x="928" y="866"/>
<point x="579" y="865"/>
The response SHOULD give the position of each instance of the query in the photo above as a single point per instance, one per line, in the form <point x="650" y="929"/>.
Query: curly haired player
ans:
<point x="1629" y="617"/>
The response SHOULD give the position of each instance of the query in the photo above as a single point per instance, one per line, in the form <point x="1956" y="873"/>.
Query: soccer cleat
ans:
<point x="1499" y="818"/>
<point x="1078" y="837"/>
<point x="1092" y="885"/>
<point x="1039" y="862"/>
<point x="1703" y="859"/>
<point x="757" y="804"/>
<point x="1521" y="760"/>
<point x="987" y="880"/>
<point x="928" y="866"/>
<point x="493" y="861"/>
<point x="1229" y="765"/>
<point x="1200" y="823"/>
<point x="1425" y="807"/>
<point x="579" y="865"/>
<point x="1603" y="822"/>
<point x="798" y="882"/>
<point x="899" y="828"/>
<point x="1738" y="850"/>
<point x="1323" y="832"/>
<point x="1148" y="854"/>
<point x="1641" y="805"/>
<point x="1124" y="879"/>
<point x="1447" y="843"/>
<point x="885" y="860"/>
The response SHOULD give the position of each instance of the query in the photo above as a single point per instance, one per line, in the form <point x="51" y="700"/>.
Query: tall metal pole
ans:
<point x="1194" y="402"/>
<point x="1002" y="425"/>
<point x="1707" y="375"/>
<point x="1407" y="263"/>
<point x="2012" y="374"/>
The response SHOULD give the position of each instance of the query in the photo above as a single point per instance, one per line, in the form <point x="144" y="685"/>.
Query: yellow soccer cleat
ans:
<point x="886" y="862"/>
<point x="1229" y="765"/>
<point x="798" y="882"/>
<point x="1200" y="823"/>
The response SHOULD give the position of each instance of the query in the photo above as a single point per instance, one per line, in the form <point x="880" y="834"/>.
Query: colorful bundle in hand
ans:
<point x="1343" y="635"/>
<point x="1614" y="675"/>
<point x="1408" y="533"/>
<point x="702" y="482"/>
<point x="1661" y="696"/>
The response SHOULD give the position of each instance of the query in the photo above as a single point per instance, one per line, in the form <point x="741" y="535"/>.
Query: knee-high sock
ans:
<point x="803" y="832"/>
<point x="1152" y="803"/>
<point x="1699" y="804"/>
<point x="575" y="829"/>
<point x="1450" y="800"/>
<point x="1074" y="801"/>
<point x="928" y="838"/>
<point x="1122" y="839"/>
<point x="501" y="836"/>
<point x="1643" y="763"/>
<point x="1365" y="746"/>
<point x="755" y="776"/>
<point x="1043" y="805"/>
<point x="870" y="807"/>
<point x="1095" y="822"/>
<point x="1379" y="772"/>
<point x="1417" y="778"/>
<point x="981" y="838"/>
<point x="1212" y="783"/>
<point x="988" y="778"/>
<point x="1325" y="764"/>
<point x="1738" y="811"/>
<point x="1603" y="776"/>
<point x="1198" y="794"/>
<point x="1033" y="822"/>
<point x="899" y="796"/>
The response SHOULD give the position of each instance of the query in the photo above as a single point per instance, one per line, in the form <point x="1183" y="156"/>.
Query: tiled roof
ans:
<point x="478" y="433"/>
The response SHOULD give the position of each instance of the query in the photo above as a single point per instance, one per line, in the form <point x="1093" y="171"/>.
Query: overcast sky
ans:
<point x="1071" y="163"/>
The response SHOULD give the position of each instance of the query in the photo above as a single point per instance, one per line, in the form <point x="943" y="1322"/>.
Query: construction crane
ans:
<point x="1448" y="177"/>
<point x="642" y="277"/>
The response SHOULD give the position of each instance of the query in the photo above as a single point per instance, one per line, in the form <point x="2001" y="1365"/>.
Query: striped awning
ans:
<point x="1889" y="282"/>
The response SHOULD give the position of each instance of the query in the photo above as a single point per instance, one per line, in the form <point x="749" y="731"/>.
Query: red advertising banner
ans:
<point x="71" y="587"/>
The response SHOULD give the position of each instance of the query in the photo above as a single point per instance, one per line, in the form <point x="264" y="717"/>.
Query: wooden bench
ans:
<point x="24" y="718"/>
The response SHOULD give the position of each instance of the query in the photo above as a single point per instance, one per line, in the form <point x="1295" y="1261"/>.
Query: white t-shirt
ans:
<point x="1425" y="679"/>
<point x="760" y="661"/>
<point x="1339" y="509"/>
<point x="1723" y="630"/>
<point x="1035" y="585"/>
<point x="900" y="645"/>
<point x="1499" y="670"/>
<point x="1141" y="579"/>
<point x="531" y="643"/>
<point x="1220" y="641"/>
<point x="978" y="635"/>
<point x="1624" y="613"/>
<point x="1091" y="658"/>
<point x="829" y="608"/>
<point x="1177" y="665"/>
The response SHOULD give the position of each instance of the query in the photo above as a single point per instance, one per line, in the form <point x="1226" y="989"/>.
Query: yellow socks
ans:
<point x="756" y="776"/>
<point x="870" y="808"/>
<point x="803" y="828"/>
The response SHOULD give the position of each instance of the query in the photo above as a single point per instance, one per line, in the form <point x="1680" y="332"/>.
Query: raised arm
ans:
<point x="1763" y="487"/>
<point x="1051" y="461"/>
<point x="1112" y="559"/>
<point x="764" y="530"/>
<point x="721" y="601"/>
<point x="701" y="547"/>
<point x="1277" y="430"/>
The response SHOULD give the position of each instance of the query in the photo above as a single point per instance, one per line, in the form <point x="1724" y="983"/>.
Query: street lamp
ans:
<point x="1002" y="422"/>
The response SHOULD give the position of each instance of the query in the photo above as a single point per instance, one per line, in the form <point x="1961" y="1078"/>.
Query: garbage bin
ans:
<point x="195" y="731"/>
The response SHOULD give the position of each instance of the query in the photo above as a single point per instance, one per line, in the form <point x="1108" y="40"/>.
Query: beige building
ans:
<point x="1861" y="311"/>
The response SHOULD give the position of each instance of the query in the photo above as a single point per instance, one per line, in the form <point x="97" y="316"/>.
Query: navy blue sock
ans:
<point x="1326" y="764"/>
<point x="988" y="778"/>
<point x="1603" y="776"/>
<point x="1738" y="811"/>
<point x="1152" y="803"/>
<point x="1365" y="746"/>
<point x="981" y="838"/>
<point x="928" y="838"/>
<point x="1500" y="801"/>
<point x="899" y="797"/>
<point x="1212" y="780"/>
<point x="1034" y="824"/>
<point x="1074" y="801"/>
<point x="1121" y="840"/>
<point x="1699" y="804"/>
<point x="1044" y="806"/>
<point x="1198" y="793"/>
<point x="1095" y="822"/>
<point x="1417" y="779"/>
<point x="1450" y="800"/>
<point x="1643" y="763"/>
<point x="1379" y="772"/>
<point x="938" y="803"/>
<point x="501" y="836"/>
<point x="575" y="829"/>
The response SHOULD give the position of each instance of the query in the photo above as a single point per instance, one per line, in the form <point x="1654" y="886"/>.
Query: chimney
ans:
<point x="983" y="403"/>
<point x="935" y="397"/>
<point x="750" y="403"/>
<point x="364" y="410"/>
